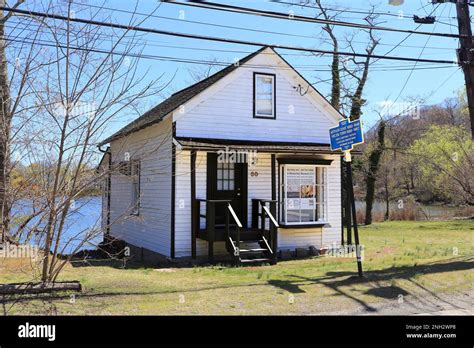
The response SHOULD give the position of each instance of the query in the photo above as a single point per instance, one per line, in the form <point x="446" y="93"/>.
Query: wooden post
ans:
<point x="173" y="197"/>
<point x="194" y="208"/>
<point x="350" y="196"/>
<point x="273" y="178"/>
<point x="255" y="203"/>
<point x="227" y="229"/>
<point x="342" y="200"/>
<point x="274" y="231"/>
<point x="262" y="217"/>
<point x="238" y="238"/>
<point x="347" y="209"/>
<point x="211" y="224"/>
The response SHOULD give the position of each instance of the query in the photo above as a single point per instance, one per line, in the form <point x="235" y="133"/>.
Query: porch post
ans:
<point x="273" y="177"/>
<point x="273" y="208"/>
<point x="194" y="213"/>
<point x="210" y="227"/>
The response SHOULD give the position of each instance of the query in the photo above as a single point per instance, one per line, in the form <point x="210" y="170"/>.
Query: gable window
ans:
<point x="303" y="194"/>
<point x="264" y="95"/>
<point x="135" y="176"/>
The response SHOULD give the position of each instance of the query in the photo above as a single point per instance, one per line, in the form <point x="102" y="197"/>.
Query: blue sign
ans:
<point x="346" y="135"/>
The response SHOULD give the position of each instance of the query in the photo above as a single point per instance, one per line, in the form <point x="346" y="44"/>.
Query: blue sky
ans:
<point x="382" y="85"/>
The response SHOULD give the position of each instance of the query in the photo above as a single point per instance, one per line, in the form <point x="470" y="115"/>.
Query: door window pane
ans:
<point x="225" y="176"/>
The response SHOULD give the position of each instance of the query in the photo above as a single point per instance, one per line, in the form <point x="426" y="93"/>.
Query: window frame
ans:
<point x="135" y="180"/>
<point x="255" y="114"/>
<point x="283" y="217"/>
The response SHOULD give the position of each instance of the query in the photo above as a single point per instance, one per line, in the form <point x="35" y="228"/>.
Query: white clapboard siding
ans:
<point x="151" y="229"/>
<point x="104" y="168"/>
<point x="225" y="110"/>
<point x="332" y="233"/>
<point x="260" y="184"/>
<point x="291" y="238"/>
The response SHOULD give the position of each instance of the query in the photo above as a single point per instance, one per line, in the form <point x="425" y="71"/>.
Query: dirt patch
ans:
<point x="165" y="270"/>
<point x="386" y="250"/>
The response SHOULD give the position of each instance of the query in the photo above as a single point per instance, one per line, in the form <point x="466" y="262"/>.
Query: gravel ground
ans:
<point x="456" y="303"/>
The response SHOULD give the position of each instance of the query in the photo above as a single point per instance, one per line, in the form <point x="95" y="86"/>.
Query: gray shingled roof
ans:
<point x="156" y="114"/>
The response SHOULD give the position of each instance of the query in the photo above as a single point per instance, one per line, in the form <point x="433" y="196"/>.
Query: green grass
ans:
<point x="401" y="258"/>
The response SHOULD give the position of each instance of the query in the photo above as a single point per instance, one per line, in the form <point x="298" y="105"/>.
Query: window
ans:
<point x="225" y="176"/>
<point x="303" y="194"/>
<point x="135" y="176"/>
<point x="264" y="95"/>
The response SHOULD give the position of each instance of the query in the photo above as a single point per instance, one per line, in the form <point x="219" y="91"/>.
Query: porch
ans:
<point x="235" y="207"/>
<point x="234" y="234"/>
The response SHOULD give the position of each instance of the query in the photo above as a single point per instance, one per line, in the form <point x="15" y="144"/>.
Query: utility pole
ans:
<point x="466" y="54"/>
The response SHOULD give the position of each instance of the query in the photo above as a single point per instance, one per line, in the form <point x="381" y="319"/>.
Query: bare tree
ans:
<point x="203" y="71"/>
<point x="6" y="116"/>
<point x="348" y="75"/>
<point x="88" y="76"/>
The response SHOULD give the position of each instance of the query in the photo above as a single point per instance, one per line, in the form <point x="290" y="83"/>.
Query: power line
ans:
<point x="414" y="66"/>
<point x="229" y="26"/>
<point x="406" y="38"/>
<point x="210" y="38"/>
<point x="149" y="42"/>
<point x="352" y="10"/>
<point x="201" y="61"/>
<point x="279" y="15"/>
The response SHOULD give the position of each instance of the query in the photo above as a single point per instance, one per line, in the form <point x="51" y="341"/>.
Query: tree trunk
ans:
<point x="5" y="124"/>
<point x="357" y="101"/>
<point x="374" y="164"/>
<point x="336" y="80"/>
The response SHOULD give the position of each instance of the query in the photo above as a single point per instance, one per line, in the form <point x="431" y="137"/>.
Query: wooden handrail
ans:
<point x="236" y="246"/>
<point x="270" y="216"/>
<point x="272" y="243"/>
<point x="234" y="215"/>
<point x="266" y="200"/>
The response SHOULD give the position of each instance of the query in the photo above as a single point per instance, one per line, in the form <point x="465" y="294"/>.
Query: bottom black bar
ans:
<point x="140" y="330"/>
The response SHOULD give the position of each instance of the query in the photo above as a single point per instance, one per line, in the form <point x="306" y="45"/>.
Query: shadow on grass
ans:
<point x="388" y="292"/>
<point x="336" y="281"/>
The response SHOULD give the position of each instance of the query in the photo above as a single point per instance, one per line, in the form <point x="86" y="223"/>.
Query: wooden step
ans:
<point x="254" y="260"/>
<point x="257" y="250"/>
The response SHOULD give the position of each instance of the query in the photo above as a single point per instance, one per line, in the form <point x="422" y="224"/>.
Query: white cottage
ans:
<point x="236" y="164"/>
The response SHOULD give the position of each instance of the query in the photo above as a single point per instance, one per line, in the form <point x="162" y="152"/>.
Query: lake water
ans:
<point x="427" y="212"/>
<point x="84" y="218"/>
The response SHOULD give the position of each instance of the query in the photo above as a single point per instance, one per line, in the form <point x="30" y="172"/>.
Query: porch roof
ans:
<point x="261" y="146"/>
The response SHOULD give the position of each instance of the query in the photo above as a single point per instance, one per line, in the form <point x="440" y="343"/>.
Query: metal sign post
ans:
<point x="344" y="137"/>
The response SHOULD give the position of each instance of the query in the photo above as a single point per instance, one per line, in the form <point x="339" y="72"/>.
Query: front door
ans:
<point x="227" y="181"/>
